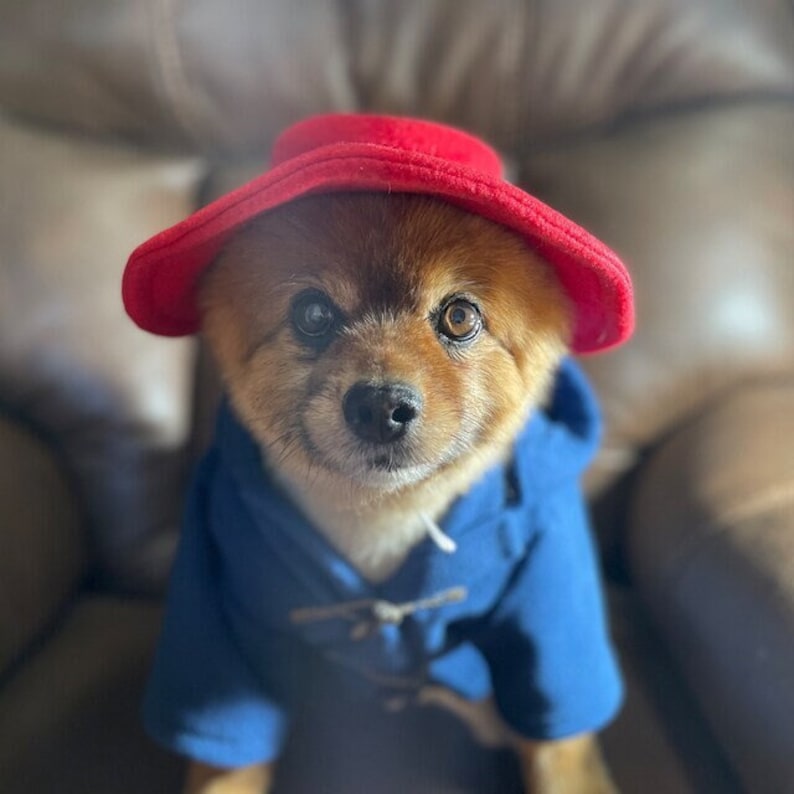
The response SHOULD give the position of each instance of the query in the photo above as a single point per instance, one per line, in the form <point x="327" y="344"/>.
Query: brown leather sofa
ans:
<point x="665" y="126"/>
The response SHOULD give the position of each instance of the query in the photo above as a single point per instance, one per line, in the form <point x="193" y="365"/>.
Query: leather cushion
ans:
<point x="42" y="546"/>
<point x="115" y="400"/>
<point x="712" y="549"/>
<point x="231" y="76"/>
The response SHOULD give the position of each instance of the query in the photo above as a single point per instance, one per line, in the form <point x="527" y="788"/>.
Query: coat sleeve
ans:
<point x="553" y="668"/>
<point x="204" y="700"/>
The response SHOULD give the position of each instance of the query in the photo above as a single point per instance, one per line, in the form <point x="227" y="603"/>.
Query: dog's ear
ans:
<point x="221" y="325"/>
<point x="243" y="297"/>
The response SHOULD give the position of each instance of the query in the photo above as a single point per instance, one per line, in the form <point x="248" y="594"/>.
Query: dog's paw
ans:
<point x="480" y="717"/>
<point x="204" y="779"/>
<point x="568" y="766"/>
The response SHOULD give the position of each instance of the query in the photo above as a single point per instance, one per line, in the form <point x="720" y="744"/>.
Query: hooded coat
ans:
<point x="261" y="607"/>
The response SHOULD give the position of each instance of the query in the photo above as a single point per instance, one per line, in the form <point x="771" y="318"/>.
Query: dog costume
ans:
<point x="260" y="602"/>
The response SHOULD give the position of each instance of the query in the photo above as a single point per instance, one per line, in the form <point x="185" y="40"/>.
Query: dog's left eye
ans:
<point x="460" y="320"/>
<point x="313" y="316"/>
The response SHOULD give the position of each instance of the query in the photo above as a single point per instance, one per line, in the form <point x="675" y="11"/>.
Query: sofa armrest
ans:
<point x="42" y="547"/>
<point x="711" y="545"/>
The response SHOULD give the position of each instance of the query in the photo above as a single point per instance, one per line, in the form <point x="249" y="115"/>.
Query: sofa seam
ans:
<point x="760" y="503"/>
<point x="171" y="74"/>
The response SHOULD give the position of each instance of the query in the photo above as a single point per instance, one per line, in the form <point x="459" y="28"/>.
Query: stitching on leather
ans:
<point x="350" y="18"/>
<point x="771" y="498"/>
<point x="172" y="74"/>
<point x="768" y="499"/>
<point x="523" y="36"/>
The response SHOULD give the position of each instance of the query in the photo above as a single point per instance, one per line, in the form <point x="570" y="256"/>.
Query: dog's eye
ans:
<point x="313" y="316"/>
<point x="460" y="320"/>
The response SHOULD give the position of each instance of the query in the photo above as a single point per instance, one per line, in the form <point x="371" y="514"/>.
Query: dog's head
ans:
<point x="372" y="342"/>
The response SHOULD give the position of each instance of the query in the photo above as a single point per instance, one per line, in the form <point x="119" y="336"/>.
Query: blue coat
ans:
<point x="260" y="604"/>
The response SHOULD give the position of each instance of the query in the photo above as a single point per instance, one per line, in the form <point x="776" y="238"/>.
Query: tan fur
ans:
<point x="388" y="263"/>
<point x="204" y="779"/>
<point x="567" y="766"/>
<point x="344" y="246"/>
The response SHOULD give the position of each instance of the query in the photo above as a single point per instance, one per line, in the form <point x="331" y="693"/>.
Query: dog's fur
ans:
<point x="388" y="265"/>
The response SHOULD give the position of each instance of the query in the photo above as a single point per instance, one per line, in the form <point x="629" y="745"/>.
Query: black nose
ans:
<point x="381" y="414"/>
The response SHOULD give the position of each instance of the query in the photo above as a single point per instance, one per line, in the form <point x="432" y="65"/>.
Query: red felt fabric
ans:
<point x="347" y="152"/>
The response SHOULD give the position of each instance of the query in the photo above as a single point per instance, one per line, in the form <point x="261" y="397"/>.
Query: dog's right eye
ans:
<point x="314" y="317"/>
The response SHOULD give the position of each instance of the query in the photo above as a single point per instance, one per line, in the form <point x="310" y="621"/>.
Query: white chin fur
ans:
<point x="390" y="480"/>
<point x="355" y="467"/>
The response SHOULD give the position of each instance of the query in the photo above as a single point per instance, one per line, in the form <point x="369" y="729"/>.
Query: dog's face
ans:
<point x="371" y="342"/>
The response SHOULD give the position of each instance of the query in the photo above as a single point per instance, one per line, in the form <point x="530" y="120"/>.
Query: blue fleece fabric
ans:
<point x="232" y="664"/>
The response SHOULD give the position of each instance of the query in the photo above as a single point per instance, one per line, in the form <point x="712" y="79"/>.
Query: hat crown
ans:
<point x="351" y="152"/>
<point x="408" y="135"/>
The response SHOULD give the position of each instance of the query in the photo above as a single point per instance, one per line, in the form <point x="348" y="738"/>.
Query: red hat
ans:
<point x="334" y="153"/>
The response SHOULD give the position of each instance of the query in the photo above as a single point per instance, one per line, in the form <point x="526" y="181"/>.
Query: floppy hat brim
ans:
<point x="159" y="283"/>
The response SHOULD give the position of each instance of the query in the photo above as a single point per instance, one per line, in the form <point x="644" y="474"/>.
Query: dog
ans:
<point x="400" y="412"/>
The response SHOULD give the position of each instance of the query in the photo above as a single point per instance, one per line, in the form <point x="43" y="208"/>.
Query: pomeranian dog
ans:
<point x="385" y="357"/>
<point x="392" y="493"/>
